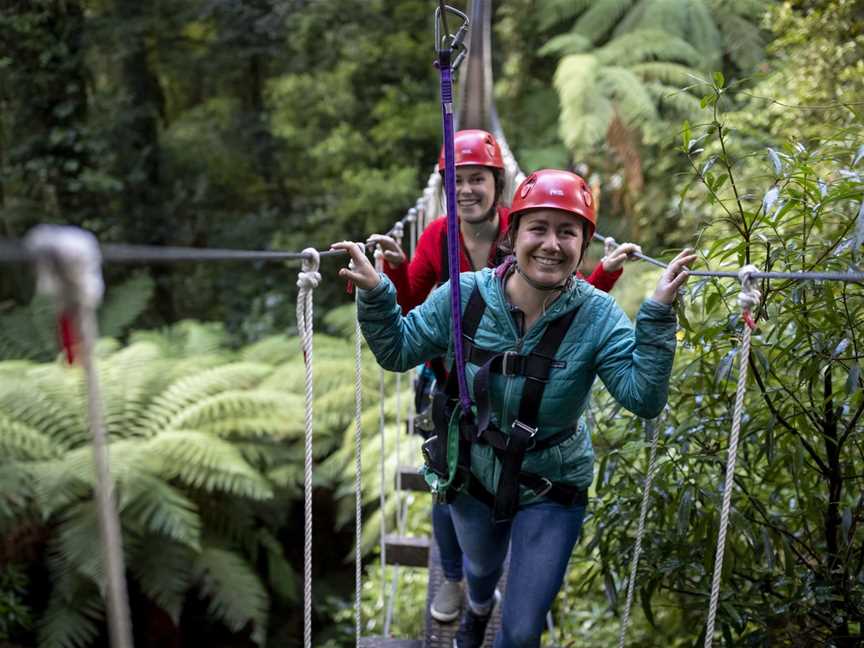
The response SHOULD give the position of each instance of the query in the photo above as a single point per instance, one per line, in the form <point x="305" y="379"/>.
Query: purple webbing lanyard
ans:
<point x="452" y="223"/>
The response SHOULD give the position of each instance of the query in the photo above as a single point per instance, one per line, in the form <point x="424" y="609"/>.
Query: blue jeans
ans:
<point x="448" y="543"/>
<point x="541" y="537"/>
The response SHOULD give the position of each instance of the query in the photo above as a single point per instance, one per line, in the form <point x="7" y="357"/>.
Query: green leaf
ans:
<point x="719" y="80"/>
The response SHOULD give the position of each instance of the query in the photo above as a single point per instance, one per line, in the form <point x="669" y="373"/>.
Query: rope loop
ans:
<point x="749" y="297"/>
<point x="308" y="278"/>
<point x="68" y="265"/>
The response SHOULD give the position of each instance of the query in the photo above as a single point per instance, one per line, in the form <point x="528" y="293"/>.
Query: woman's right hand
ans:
<point x="359" y="271"/>
<point x="391" y="250"/>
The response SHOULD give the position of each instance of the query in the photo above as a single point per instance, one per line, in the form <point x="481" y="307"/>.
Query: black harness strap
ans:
<point x="524" y="428"/>
<point x="445" y="264"/>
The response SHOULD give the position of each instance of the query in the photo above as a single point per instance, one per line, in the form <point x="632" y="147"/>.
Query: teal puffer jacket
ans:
<point x="635" y="365"/>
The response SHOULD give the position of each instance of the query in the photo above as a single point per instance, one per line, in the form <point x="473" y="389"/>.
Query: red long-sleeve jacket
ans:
<point x="415" y="279"/>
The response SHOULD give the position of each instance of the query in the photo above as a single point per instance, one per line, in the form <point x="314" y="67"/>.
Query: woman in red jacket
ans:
<point x="483" y="222"/>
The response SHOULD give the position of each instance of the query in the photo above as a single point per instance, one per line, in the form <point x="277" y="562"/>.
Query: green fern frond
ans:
<point x="163" y="570"/>
<point x="674" y="104"/>
<point x="281" y="576"/>
<point x="552" y="12"/>
<point x="260" y="428"/>
<point x="585" y="112"/>
<point x="564" y="44"/>
<point x="153" y="506"/>
<point x="16" y="492"/>
<point x="596" y="23"/>
<point x="649" y="45"/>
<point x="32" y="402"/>
<point x="235" y="405"/>
<point x="273" y="350"/>
<point x="124" y="303"/>
<point x="188" y="390"/>
<point x="19" y="441"/>
<point x="186" y="338"/>
<point x="29" y="332"/>
<point x="76" y="549"/>
<point x="633" y="102"/>
<point x="236" y="595"/>
<point x="72" y="620"/>
<point x="202" y="461"/>
<point x="742" y="39"/>
<point x="673" y="74"/>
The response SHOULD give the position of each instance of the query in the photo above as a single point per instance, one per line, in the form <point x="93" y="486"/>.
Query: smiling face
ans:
<point x="548" y="245"/>
<point x="475" y="192"/>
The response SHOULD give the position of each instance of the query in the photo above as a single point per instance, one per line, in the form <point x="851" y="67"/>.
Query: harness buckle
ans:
<point x="509" y="363"/>
<point x="547" y="486"/>
<point x="522" y="427"/>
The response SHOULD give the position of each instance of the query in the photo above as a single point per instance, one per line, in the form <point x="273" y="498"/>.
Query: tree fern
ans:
<point x="648" y="45"/>
<point x="72" y="619"/>
<point x="124" y="303"/>
<point x="154" y="507"/>
<point x="233" y="590"/>
<point x="600" y="18"/>
<point x="201" y="461"/>
<point x="163" y="569"/>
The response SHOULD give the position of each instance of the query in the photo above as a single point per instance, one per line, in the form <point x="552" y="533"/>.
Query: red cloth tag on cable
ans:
<point x="68" y="339"/>
<point x="349" y="287"/>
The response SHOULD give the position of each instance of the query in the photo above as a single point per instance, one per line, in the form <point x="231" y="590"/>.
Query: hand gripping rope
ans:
<point x="445" y="47"/>
<point x="748" y="299"/>
<point x="307" y="280"/>
<point x="68" y="266"/>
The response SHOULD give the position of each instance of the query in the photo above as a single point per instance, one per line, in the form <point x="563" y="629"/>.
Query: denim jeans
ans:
<point x="448" y="543"/>
<point x="541" y="537"/>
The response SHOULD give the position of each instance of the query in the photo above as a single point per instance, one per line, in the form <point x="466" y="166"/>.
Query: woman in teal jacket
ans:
<point x="530" y="463"/>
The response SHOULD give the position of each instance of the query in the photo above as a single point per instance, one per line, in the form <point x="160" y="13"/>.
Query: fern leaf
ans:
<point x="151" y="505"/>
<point x="163" y="570"/>
<point x="124" y="303"/>
<point x="633" y="102"/>
<point x="73" y="620"/>
<point x="649" y="45"/>
<point x="191" y="389"/>
<point x="552" y="12"/>
<point x="585" y="112"/>
<point x="19" y="441"/>
<point x="596" y="23"/>
<point x="236" y="595"/>
<point x="202" y="461"/>
<point x="564" y="44"/>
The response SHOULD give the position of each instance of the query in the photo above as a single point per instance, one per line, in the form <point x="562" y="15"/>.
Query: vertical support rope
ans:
<point x="358" y="489"/>
<point x="640" y="532"/>
<point x="307" y="280"/>
<point x="748" y="298"/>
<point x="68" y="266"/>
<point x="382" y="497"/>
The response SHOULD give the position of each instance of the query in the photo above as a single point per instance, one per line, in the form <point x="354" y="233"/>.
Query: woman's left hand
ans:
<point x="673" y="277"/>
<point x="360" y="272"/>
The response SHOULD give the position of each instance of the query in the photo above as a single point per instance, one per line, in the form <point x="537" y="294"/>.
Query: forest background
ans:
<point x="265" y="124"/>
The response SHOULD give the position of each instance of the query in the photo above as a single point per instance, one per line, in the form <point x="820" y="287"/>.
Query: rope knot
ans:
<point x="749" y="297"/>
<point x="308" y="278"/>
<point x="68" y="265"/>
<point x="411" y="216"/>
<point x="398" y="231"/>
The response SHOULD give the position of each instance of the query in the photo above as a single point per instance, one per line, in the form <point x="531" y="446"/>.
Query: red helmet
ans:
<point x="474" y="146"/>
<point x="554" y="189"/>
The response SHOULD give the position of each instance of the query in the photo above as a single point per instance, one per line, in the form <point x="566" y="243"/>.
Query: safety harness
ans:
<point x="509" y="447"/>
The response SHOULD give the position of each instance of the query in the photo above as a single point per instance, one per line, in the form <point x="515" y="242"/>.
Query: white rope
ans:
<point x="69" y="270"/>
<point x="307" y="280"/>
<point x="640" y="532"/>
<point x="379" y="264"/>
<point x="358" y="492"/>
<point x="748" y="298"/>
